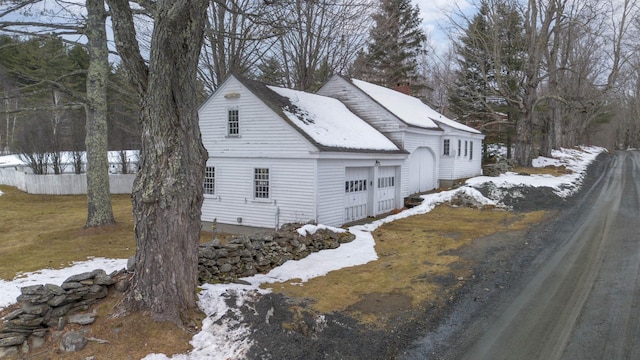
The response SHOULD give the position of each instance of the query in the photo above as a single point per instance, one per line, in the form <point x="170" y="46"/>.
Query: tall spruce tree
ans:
<point x="488" y="82"/>
<point x="396" y="42"/>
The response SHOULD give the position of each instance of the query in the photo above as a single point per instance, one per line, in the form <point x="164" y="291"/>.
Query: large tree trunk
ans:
<point x="168" y="191"/>
<point x="98" y="193"/>
<point x="524" y="142"/>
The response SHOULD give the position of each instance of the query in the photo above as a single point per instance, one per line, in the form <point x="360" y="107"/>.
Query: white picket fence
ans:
<point x="65" y="184"/>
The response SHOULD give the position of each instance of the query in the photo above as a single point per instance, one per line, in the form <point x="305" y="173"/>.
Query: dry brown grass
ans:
<point x="39" y="232"/>
<point x="412" y="253"/>
<point x="46" y="231"/>
<point x="129" y="338"/>
<point x="547" y="170"/>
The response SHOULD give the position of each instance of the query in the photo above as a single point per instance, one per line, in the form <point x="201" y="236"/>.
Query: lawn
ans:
<point x="40" y="231"/>
<point x="47" y="231"/>
<point x="418" y="264"/>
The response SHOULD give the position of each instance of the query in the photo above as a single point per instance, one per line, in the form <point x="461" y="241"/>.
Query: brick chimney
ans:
<point x="403" y="87"/>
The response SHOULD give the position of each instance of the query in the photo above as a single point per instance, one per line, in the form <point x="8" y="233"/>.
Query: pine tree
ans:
<point x="397" y="40"/>
<point x="490" y="62"/>
<point x="472" y="84"/>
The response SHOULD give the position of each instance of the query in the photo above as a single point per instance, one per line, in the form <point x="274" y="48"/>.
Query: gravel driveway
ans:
<point x="282" y="328"/>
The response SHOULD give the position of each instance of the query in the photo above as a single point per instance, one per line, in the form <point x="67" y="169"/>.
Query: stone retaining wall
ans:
<point x="248" y="255"/>
<point x="45" y="307"/>
<point x="42" y="308"/>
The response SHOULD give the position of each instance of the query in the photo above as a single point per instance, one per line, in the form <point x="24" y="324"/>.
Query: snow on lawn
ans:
<point x="223" y="337"/>
<point x="575" y="160"/>
<point x="10" y="290"/>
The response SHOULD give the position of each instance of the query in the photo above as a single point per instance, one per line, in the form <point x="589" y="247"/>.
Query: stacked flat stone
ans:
<point x="44" y="307"/>
<point x="248" y="255"/>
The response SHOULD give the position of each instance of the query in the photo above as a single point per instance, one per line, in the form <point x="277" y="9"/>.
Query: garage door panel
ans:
<point x="356" y="194"/>
<point x="386" y="189"/>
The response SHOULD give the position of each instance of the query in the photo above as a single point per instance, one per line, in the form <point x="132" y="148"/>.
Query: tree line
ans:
<point x="43" y="92"/>
<point x="548" y="74"/>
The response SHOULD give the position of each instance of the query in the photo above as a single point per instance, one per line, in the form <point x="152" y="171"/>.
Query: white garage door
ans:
<point x="422" y="170"/>
<point x="386" y="189"/>
<point x="356" y="194"/>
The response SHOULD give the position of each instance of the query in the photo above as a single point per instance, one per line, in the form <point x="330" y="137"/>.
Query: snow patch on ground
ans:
<point x="311" y="229"/>
<point x="576" y="160"/>
<point x="10" y="290"/>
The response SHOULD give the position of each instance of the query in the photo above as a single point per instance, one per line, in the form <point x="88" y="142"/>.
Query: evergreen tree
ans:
<point x="397" y="40"/>
<point x="472" y="84"/>
<point x="271" y="72"/>
<point x="490" y="58"/>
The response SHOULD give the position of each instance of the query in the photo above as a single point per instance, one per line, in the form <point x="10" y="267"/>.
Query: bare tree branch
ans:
<point x="124" y="30"/>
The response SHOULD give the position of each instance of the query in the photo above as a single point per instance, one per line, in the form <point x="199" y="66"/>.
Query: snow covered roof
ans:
<point x="325" y="121"/>
<point x="407" y="108"/>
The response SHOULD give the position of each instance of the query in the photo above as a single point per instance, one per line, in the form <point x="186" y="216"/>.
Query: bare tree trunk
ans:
<point x="99" y="211"/>
<point x="168" y="191"/>
<point x="524" y="134"/>
<point x="537" y="31"/>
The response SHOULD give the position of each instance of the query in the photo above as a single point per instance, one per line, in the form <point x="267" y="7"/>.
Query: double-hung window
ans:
<point x="210" y="180"/>
<point x="466" y="147"/>
<point x="261" y="183"/>
<point x="233" y="122"/>
<point x="470" y="150"/>
<point x="459" y="148"/>
<point x="447" y="147"/>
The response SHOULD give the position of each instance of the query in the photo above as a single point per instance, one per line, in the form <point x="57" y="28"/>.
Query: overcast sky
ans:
<point x="435" y="14"/>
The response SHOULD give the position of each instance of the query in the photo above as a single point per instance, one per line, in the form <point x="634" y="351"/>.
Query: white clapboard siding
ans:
<point x="292" y="196"/>
<point x="331" y="177"/>
<point x="262" y="132"/>
<point x="460" y="166"/>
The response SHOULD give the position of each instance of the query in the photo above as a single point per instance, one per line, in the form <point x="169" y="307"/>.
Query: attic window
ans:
<point x="233" y="122"/>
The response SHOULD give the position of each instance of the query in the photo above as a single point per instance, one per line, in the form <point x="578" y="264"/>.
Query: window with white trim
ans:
<point x="351" y="186"/>
<point x="210" y="180"/>
<point x="233" y="122"/>
<point x="470" y="150"/>
<point x="261" y="183"/>
<point x="459" y="147"/>
<point x="466" y="146"/>
<point x="446" y="147"/>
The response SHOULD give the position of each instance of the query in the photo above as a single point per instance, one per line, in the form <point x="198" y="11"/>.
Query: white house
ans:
<point x="440" y="149"/>
<point x="278" y="155"/>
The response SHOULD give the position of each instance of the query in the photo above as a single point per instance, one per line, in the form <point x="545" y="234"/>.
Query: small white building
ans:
<point x="278" y="156"/>
<point x="440" y="150"/>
